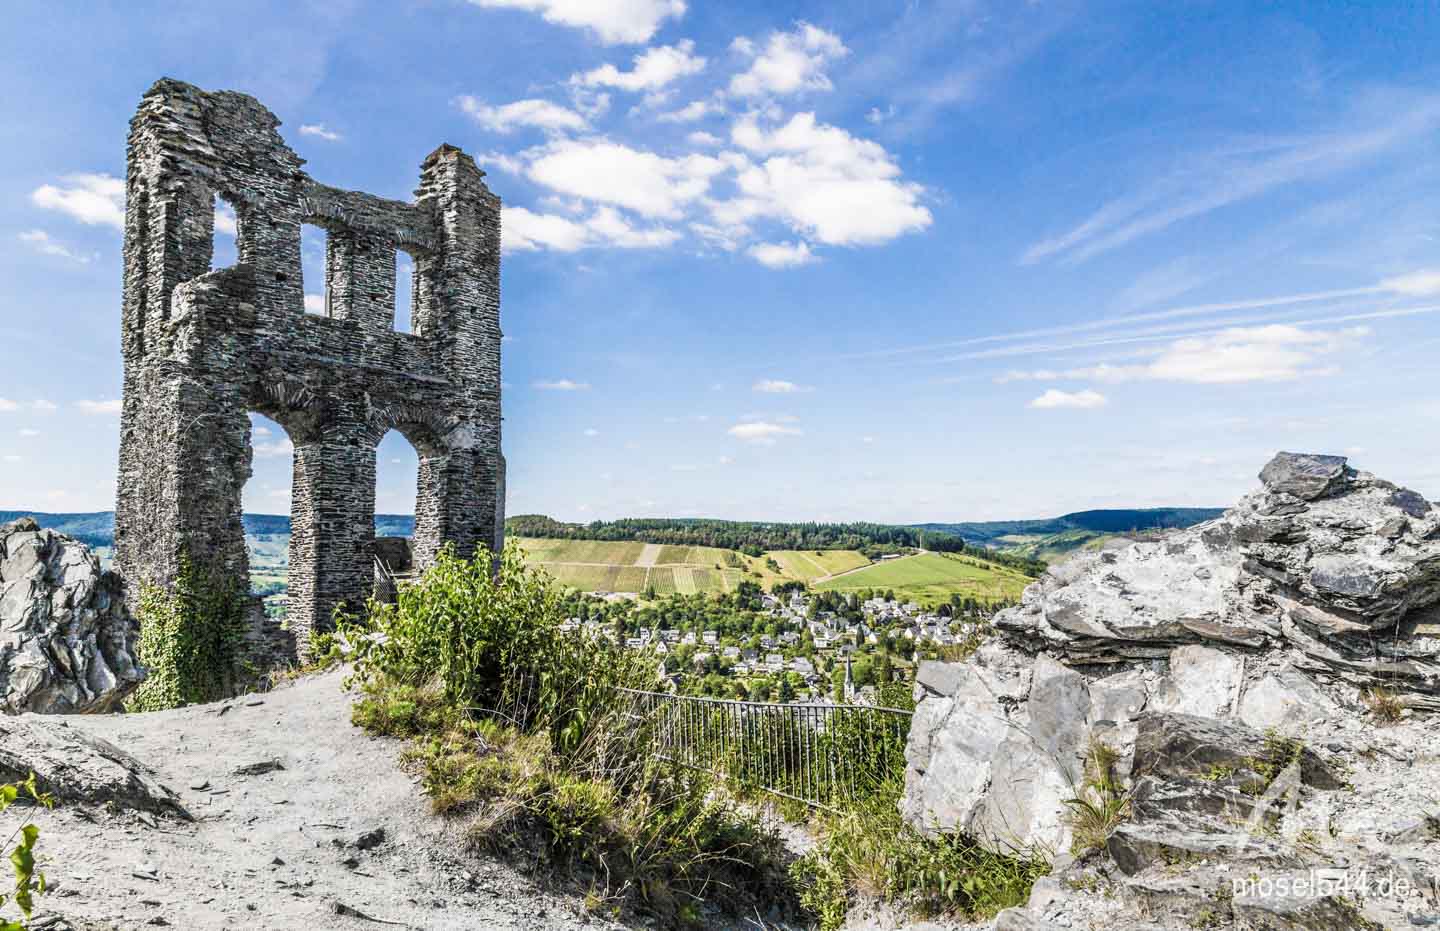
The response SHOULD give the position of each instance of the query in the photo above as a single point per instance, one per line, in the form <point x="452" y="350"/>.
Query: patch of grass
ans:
<point x="872" y="853"/>
<point x="1383" y="704"/>
<point x="933" y="577"/>
<point x="1100" y="804"/>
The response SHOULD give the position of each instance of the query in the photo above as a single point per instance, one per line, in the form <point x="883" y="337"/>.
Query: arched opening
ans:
<point x="397" y="466"/>
<point x="266" y="505"/>
<point x="315" y="268"/>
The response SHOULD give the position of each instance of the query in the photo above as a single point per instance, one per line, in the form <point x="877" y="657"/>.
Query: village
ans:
<point x="794" y="646"/>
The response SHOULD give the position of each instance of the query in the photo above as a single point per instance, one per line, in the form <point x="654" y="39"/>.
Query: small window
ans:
<point x="226" y="249"/>
<point x="314" y="269"/>
<point x="404" y="293"/>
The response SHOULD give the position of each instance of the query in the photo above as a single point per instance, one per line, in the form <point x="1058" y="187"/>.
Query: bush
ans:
<point x="191" y="637"/>
<point x="525" y="730"/>
<point x="871" y="852"/>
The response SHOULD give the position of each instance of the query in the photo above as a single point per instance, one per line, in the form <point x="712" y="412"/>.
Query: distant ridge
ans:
<point x="97" y="528"/>
<point x="1104" y="521"/>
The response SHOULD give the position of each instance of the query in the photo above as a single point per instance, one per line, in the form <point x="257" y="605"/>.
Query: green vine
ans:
<point x="28" y="881"/>
<point x="191" y="640"/>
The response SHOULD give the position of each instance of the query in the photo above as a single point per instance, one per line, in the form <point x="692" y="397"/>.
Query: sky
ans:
<point x="890" y="261"/>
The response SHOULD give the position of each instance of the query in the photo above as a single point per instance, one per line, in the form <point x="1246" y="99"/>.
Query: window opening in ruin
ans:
<point x="266" y="506"/>
<point x="397" y="466"/>
<point x="314" y="245"/>
<point x="226" y="249"/>
<point x="404" y="293"/>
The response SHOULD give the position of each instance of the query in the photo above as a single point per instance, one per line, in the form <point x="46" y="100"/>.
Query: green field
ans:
<point x="933" y="577"/>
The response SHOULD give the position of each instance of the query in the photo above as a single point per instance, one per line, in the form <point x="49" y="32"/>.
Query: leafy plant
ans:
<point x="28" y="881"/>
<point x="191" y="637"/>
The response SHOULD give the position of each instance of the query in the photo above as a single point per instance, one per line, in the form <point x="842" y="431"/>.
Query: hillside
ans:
<point x="1105" y="521"/>
<point x="932" y="578"/>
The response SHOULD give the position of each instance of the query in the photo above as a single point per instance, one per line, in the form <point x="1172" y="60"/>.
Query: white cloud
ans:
<point x="591" y="431"/>
<point x="788" y="63"/>
<point x="101" y="408"/>
<point x="1277" y="352"/>
<point x="617" y="174"/>
<point x="1055" y="398"/>
<point x="274" y="449"/>
<point x="691" y="112"/>
<point x="225" y="219"/>
<point x="562" y="384"/>
<point x="614" y="21"/>
<point x="761" y="432"/>
<point x="261" y="430"/>
<point x="320" y="131"/>
<point x="824" y="182"/>
<point x="782" y="254"/>
<point x="41" y="242"/>
<point x="315" y="303"/>
<point x="93" y="199"/>
<point x="877" y="116"/>
<point x="522" y="229"/>
<point x="535" y="113"/>
<point x="702" y="138"/>
<point x="44" y="405"/>
<point x="726" y="460"/>
<point x="653" y="69"/>
<point x="1416" y="284"/>
<point x="778" y="386"/>
<point x="28" y="432"/>
<point x="525" y="230"/>
<point x="12" y="458"/>
<point x="8" y="406"/>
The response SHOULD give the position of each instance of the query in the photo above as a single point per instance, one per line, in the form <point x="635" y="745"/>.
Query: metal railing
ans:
<point x="817" y="754"/>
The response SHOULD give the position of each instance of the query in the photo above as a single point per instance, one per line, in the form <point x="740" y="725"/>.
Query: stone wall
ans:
<point x="203" y="349"/>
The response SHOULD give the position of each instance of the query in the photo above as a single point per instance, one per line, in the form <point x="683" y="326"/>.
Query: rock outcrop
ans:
<point x="67" y="643"/>
<point x="1258" y="690"/>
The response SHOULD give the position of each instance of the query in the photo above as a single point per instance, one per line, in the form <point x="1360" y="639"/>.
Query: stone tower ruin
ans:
<point x="203" y="348"/>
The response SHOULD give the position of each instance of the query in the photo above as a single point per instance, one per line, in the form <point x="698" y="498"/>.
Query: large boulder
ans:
<point x="1258" y="687"/>
<point x="67" y="643"/>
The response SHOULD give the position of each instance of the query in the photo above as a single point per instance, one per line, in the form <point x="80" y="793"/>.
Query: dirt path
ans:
<point x="648" y="555"/>
<point x="280" y="849"/>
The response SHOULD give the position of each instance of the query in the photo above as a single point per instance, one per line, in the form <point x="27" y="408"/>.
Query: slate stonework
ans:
<point x="203" y="349"/>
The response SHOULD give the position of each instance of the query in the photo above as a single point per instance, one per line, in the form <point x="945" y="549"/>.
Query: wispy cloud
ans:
<point x="761" y="432"/>
<point x="612" y="21"/>
<point x="320" y="131"/>
<point x="100" y="408"/>
<point x="1057" y="399"/>
<point x="778" y="386"/>
<point x="532" y="113"/>
<point x="43" y="243"/>
<point x="1208" y="181"/>
<point x="562" y="384"/>
<point x="651" y="70"/>
<point x="93" y="199"/>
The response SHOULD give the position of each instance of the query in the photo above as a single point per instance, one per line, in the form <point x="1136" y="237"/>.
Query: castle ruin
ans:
<point x="203" y="348"/>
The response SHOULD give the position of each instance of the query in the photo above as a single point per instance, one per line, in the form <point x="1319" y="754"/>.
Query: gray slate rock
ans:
<point x="1303" y="475"/>
<point x="67" y="643"/>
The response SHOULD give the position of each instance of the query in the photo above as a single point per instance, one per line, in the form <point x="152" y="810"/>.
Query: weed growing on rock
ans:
<point x="1383" y="704"/>
<point x="1101" y="802"/>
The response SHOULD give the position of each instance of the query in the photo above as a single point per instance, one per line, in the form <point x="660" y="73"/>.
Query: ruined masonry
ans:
<point x="205" y="348"/>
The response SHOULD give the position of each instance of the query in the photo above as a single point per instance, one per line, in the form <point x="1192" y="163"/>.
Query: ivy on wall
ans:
<point x="191" y="640"/>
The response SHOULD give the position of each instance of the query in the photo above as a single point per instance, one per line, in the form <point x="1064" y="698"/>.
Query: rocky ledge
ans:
<point x="1259" y="688"/>
<point x="67" y="643"/>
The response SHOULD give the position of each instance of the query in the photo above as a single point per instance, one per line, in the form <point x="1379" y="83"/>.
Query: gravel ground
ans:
<point x="339" y="838"/>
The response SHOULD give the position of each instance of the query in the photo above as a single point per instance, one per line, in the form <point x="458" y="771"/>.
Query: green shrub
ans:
<point x="191" y="637"/>
<point x="871" y="852"/>
<point x="28" y="881"/>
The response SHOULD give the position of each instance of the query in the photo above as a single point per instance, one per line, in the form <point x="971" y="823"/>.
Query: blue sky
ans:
<point x="884" y="260"/>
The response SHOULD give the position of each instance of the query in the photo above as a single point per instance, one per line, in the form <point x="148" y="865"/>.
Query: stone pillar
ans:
<point x="332" y="521"/>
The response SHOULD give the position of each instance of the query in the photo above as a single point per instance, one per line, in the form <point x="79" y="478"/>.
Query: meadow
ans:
<point x="932" y="578"/>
